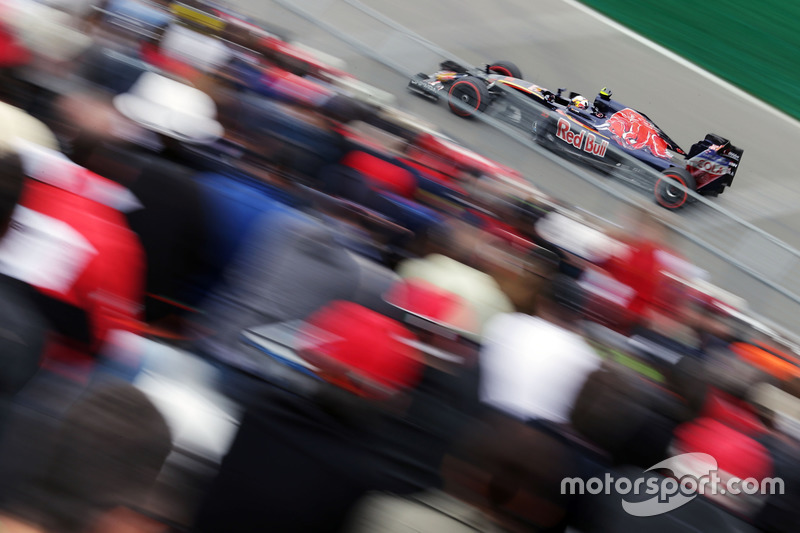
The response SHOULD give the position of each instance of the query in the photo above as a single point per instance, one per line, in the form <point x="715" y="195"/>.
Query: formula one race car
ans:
<point x="604" y="134"/>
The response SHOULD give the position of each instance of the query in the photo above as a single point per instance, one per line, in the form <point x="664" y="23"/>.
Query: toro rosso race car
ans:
<point x="605" y="134"/>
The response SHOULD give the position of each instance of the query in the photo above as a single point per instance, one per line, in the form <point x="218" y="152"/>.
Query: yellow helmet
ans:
<point x="580" y="102"/>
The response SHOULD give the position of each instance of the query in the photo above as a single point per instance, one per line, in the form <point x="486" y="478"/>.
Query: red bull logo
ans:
<point x="634" y="131"/>
<point x="582" y="141"/>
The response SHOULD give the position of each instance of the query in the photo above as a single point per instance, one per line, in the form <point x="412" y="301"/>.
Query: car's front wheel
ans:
<point x="674" y="195"/>
<point x="468" y="96"/>
<point x="505" y="68"/>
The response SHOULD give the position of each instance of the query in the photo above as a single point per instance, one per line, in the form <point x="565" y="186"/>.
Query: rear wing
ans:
<point x="713" y="162"/>
<point x="719" y="144"/>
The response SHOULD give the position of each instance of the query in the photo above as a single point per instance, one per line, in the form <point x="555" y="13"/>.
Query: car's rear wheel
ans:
<point x="468" y="96"/>
<point x="505" y="68"/>
<point x="674" y="196"/>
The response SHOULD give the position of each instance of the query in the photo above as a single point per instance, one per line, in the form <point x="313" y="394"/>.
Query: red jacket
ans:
<point x="641" y="270"/>
<point x="70" y="240"/>
<point x="12" y="52"/>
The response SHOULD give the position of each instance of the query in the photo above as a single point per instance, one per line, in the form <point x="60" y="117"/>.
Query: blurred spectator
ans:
<point x="67" y="237"/>
<point x="72" y="243"/>
<point x="49" y="32"/>
<point x="524" y="216"/>
<point x="696" y="514"/>
<point x="294" y="140"/>
<point x="520" y="274"/>
<point x="630" y="418"/>
<point x="780" y="410"/>
<point x="300" y="461"/>
<point x="502" y="476"/>
<point x="202" y="51"/>
<point x="738" y="456"/>
<point x="12" y="51"/>
<point x="639" y="424"/>
<point x="448" y="263"/>
<point x="728" y="381"/>
<point x="18" y="124"/>
<point x="608" y="413"/>
<point x="422" y="513"/>
<point x="102" y="461"/>
<point x="633" y="418"/>
<point x="289" y="266"/>
<point x="13" y="54"/>
<point x="445" y="400"/>
<point x="126" y="22"/>
<point x="172" y="224"/>
<point x="533" y="366"/>
<point x="55" y="45"/>
<point x="715" y="329"/>
<point x="175" y="112"/>
<point x="23" y="329"/>
<point x="202" y="422"/>
<point x="641" y="265"/>
<point x="690" y="382"/>
<point x="358" y="229"/>
<point x="770" y="359"/>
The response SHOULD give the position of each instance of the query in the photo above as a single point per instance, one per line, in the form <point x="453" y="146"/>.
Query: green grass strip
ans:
<point x="753" y="45"/>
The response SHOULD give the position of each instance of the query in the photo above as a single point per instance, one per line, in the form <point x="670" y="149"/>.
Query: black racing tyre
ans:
<point x="472" y="95"/>
<point x="674" y="196"/>
<point x="505" y="68"/>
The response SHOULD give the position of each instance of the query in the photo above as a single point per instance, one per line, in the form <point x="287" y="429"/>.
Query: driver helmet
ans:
<point x="580" y="102"/>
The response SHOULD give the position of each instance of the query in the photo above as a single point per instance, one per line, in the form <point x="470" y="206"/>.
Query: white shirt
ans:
<point x="531" y="368"/>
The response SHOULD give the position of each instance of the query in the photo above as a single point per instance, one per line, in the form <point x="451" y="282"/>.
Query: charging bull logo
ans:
<point x="636" y="132"/>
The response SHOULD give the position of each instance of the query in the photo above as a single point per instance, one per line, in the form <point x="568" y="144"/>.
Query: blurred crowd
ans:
<point x="242" y="292"/>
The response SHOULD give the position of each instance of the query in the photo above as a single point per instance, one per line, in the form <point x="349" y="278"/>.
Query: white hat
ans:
<point x="17" y="124"/>
<point x="46" y="31"/>
<point x="171" y="108"/>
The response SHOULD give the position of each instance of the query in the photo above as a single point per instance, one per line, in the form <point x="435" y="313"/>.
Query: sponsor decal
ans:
<point x="584" y="140"/>
<point x="635" y="132"/>
<point x="425" y="86"/>
<point x="707" y="166"/>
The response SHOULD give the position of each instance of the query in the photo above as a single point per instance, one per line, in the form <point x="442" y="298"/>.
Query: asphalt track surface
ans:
<point x="558" y="44"/>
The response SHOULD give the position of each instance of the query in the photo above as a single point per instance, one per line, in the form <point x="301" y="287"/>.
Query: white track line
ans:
<point x="684" y="62"/>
